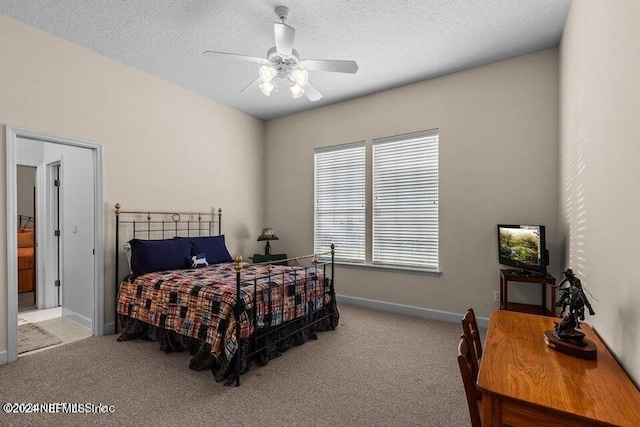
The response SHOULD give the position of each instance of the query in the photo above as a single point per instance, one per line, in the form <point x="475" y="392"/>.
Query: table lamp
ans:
<point x="267" y="234"/>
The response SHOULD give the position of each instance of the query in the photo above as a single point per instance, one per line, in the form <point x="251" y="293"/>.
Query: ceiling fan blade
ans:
<point x="311" y="92"/>
<point x="253" y="84"/>
<point x="350" y="67"/>
<point x="284" y="38"/>
<point x="236" y="56"/>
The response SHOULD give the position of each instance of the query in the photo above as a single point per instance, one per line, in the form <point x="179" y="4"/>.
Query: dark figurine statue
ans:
<point x="572" y="297"/>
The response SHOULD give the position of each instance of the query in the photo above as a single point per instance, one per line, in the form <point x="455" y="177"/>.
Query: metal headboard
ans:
<point x="162" y="225"/>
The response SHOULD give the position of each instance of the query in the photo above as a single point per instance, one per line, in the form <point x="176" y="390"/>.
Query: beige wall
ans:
<point x="164" y="147"/>
<point x="600" y="150"/>
<point x="498" y="164"/>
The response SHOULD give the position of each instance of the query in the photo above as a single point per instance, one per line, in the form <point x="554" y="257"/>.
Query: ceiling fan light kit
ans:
<point x="296" y="91"/>
<point x="300" y="76"/>
<point x="267" y="73"/>
<point x="283" y="63"/>
<point x="266" y="88"/>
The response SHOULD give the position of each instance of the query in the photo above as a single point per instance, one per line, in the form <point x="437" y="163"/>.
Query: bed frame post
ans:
<point x="333" y="277"/>
<point x="219" y="221"/>
<point x="117" y="211"/>
<point x="238" y="268"/>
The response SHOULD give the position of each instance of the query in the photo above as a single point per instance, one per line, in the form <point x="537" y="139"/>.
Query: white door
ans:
<point x="49" y="238"/>
<point x="77" y="231"/>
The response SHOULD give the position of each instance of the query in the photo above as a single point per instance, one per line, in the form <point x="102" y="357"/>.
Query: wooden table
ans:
<point x="523" y="382"/>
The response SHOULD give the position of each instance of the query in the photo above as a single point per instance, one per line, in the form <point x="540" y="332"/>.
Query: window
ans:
<point x="340" y="201"/>
<point x="405" y="200"/>
<point x="395" y="224"/>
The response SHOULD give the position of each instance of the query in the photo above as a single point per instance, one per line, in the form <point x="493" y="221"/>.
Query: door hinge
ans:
<point x="56" y="233"/>
<point x="57" y="283"/>
<point x="56" y="183"/>
<point x="94" y="251"/>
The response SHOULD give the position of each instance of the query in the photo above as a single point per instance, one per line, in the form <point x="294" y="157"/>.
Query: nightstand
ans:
<point x="271" y="257"/>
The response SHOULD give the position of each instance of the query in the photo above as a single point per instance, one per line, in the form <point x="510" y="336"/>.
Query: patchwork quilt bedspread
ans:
<point x="200" y="303"/>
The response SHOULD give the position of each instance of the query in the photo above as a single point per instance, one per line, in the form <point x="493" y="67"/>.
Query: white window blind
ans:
<point x="340" y="201"/>
<point x="405" y="200"/>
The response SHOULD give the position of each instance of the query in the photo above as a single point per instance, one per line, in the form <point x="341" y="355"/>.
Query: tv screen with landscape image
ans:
<point x="523" y="247"/>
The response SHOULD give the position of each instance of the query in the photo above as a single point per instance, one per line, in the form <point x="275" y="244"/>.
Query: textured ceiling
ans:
<point x="394" y="42"/>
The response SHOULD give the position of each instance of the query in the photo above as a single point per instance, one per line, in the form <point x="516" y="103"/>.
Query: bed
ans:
<point x="228" y="313"/>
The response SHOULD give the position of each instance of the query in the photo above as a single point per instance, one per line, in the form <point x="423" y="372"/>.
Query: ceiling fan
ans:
<point x="284" y="64"/>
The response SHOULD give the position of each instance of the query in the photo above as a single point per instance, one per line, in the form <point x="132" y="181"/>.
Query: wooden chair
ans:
<point x="471" y="331"/>
<point x="469" y="375"/>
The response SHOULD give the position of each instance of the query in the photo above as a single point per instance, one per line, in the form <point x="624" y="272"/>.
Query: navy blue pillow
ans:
<point x="158" y="255"/>
<point x="213" y="247"/>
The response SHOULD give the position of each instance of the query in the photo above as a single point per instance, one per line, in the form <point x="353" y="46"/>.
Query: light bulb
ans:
<point x="296" y="91"/>
<point x="267" y="73"/>
<point x="301" y="77"/>
<point x="266" y="88"/>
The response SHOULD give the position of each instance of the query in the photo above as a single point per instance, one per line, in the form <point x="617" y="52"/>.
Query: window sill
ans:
<point x="390" y="268"/>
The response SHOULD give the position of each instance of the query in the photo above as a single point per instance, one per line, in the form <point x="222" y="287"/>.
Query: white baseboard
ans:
<point x="81" y="320"/>
<point x="408" y="310"/>
<point x="4" y="357"/>
<point x="109" y="328"/>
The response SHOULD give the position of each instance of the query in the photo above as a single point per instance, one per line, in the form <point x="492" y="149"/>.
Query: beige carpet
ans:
<point x="375" y="369"/>
<point x="32" y="337"/>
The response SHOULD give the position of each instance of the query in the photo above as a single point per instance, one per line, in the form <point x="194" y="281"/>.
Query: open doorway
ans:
<point x="58" y="297"/>
<point x="41" y="320"/>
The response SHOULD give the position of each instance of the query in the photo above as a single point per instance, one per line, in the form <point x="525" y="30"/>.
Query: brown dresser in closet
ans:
<point x="26" y="260"/>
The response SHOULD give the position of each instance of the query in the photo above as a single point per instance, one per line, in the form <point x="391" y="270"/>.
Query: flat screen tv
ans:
<point x="523" y="247"/>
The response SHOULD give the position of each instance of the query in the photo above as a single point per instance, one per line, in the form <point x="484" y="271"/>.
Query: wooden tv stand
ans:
<point x="507" y="275"/>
